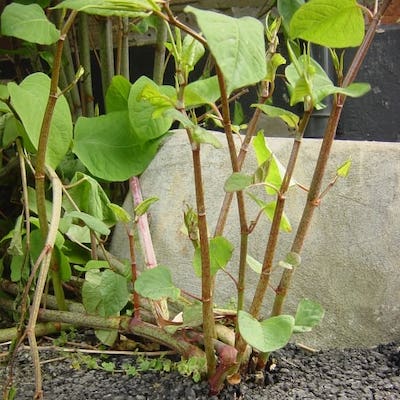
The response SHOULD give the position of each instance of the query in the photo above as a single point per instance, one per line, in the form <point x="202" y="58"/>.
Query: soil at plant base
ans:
<point x="298" y="374"/>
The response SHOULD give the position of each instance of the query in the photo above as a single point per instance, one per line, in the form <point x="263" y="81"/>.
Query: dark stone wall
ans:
<point x="376" y="116"/>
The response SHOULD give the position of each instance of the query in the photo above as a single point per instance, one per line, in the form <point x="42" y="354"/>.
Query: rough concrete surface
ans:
<point x="350" y="261"/>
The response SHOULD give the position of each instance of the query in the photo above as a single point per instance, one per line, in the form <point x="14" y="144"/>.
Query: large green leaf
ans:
<point x="28" y="22"/>
<point x="220" y="253"/>
<point x="237" y="45"/>
<point x="141" y="111"/>
<point x="104" y="293"/>
<point x="156" y="284"/>
<point x="117" y="94"/>
<point x="29" y="99"/>
<point x="109" y="149"/>
<point x="309" y="313"/>
<point x="335" y="24"/>
<point x="268" y="335"/>
<point x="107" y="8"/>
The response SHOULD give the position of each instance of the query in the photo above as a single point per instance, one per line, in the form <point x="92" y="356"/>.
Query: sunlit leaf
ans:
<point x="237" y="45"/>
<point x="29" y="100"/>
<point x="308" y="78"/>
<point x="28" y="22"/>
<point x="335" y="24"/>
<point x="141" y="110"/>
<point x="344" y="169"/>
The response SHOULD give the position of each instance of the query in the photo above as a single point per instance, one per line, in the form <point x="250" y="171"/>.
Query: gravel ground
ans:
<point x="345" y="374"/>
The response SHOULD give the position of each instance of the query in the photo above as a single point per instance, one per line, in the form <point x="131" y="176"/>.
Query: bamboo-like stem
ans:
<point x="125" y="48"/>
<point x="316" y="183"/>
<point x="250" y="132"/>
<point x="69" y="70"/>
<point x="106" y="54"/>
<point x="45" y="128"/>
<point x="51" y="302"/>
<point x="84" y="54"/>
<point x="244" y="230"/>
<point x="135" y="295"/>
<point x="270" y="249"/>
<point x="122" y="58"/>
<point x="41" y="329"/>
<point x="42" y="146"/>
<point x="206" y="278"/>
<point x="41" y="281"/>
<point x="159" y="53"/>
<point x="125" y="325"/>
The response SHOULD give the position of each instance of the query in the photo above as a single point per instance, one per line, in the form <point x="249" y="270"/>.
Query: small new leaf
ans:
<point x="142" y="208"/>
<point x="344" y="169"/>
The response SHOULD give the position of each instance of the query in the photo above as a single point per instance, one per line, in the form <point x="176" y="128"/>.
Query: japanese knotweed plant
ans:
<point x="121" y="143"/>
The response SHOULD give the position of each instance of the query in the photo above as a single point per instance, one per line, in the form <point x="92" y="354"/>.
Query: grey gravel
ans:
<point x="354" y="374"/>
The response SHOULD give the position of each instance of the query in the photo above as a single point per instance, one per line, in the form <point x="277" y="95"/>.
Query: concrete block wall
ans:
<point x="350" y="261"/>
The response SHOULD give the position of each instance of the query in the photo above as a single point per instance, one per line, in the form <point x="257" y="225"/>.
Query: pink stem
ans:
<point x="143" y="225"/>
